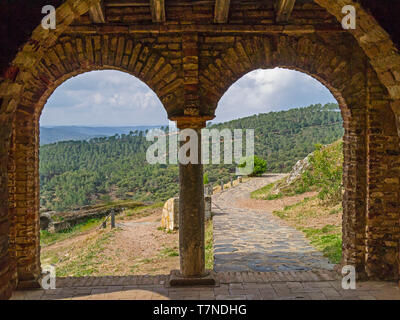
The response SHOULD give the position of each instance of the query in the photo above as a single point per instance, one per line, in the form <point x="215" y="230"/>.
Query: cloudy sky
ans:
<point x="112" y="98"/>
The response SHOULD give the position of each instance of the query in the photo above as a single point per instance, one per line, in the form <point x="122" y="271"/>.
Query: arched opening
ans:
<point x="352" y="65"/>
<point x="290" y="217"/>
<point x="92" y="165"/>
<point x="362" y="102"/>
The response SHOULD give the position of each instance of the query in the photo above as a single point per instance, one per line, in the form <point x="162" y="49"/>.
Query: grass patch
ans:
<point x="260" y="193"/>
<point x="142" y="209"/>
<point x="268" y="192"/>
<point x="327" y="239"/>
<point x="209" y="245"/>
<point x="169" y="252"/>
<point x="311" y="216"/>
<point x="47" y="238"/>
<point x="87" y="262"/>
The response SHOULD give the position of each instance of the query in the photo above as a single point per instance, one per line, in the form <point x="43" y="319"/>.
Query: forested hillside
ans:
<point x="77" y="173"/>
<point x="284" y="137"/>
<point x="67" y="133"/>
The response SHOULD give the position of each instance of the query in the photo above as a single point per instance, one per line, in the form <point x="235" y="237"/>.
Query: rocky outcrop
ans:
<point x="298" y="169"/>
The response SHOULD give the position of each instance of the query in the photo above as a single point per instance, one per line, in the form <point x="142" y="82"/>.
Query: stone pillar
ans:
<point x="27" y="225"/>
<point x="191" y="214"/>
<point x="383" y="185"/>
<point x="7" y="249"/>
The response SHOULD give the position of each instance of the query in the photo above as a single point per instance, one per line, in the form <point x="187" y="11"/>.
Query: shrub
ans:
<point x="326" y="173"/>
<point x="205" y="179"/>
<point x="260" y="166"/>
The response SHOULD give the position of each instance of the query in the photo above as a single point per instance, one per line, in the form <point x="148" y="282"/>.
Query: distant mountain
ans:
<point x="67" y="133"/>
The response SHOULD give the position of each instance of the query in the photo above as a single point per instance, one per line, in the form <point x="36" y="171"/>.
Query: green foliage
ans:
<point x="282" y="138"/>
<point x="47" y="238"/>
<point x="79" y="173"/>
<point x="259" y="194"/>
<point x="169" y="252"/>
<point x="205" y="179"/>
<point x="209" y="255"/>
<point x="328" y="239"/>
<point x="260" y="165"/>
<point x="327" y="171"/>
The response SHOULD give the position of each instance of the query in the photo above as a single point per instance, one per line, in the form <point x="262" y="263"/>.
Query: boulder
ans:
<point x="170" y="213"/>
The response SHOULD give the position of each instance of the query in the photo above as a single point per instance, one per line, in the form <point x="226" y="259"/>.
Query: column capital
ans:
<point x="191" y="122"/>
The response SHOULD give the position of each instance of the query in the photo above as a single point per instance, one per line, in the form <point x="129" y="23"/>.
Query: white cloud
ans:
<point x="262" y="91"/>
<point x="115" y="98"/>
<point x="109" y="98"/>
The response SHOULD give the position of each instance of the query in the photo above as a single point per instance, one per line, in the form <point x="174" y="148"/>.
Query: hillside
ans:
<point x="77" y="173"/>
<point x="67" y="133"/>
<point x="284" y="137"/>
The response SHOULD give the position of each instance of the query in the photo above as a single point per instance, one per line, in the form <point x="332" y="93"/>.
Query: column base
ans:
<point x="28" y="284"/>
<point x="177" y="280"/>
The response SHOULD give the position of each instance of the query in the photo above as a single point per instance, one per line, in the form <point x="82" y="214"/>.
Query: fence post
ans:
<point x="112" y="219"/>
<point x="231" y="182"/>
<point x="222" y="184"/>
<point x="240" y="179"/>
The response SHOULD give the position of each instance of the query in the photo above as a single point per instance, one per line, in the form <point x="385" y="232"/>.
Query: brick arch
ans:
<point x="69" y="57"/>
<point x="327" y="61"/>
<point x="72" y="56"/>
<point x="376" y="43"/>
<point x="371" y="142"/>
<point x="371" y="148"/>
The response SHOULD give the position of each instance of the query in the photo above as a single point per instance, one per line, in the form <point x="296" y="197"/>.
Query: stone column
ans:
<point x="191" y="214"/>
<point x="27" y="227"/>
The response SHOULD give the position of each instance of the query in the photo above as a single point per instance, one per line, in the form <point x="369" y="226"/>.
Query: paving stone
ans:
<point x="253" y="240"/>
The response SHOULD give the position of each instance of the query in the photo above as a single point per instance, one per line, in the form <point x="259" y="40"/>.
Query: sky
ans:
<point x="114" y="98"/>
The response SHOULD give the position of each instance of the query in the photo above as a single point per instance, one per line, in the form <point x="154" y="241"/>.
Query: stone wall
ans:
<point x="189" y="63"/>
<point x="170" y="213"/>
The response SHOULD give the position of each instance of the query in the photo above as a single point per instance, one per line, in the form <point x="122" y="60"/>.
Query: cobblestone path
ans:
<point x="255" y="240"/>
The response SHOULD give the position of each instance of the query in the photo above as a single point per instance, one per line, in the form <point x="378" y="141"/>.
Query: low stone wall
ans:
<point x="48" y="221"/>
<point x="170" y="213"/>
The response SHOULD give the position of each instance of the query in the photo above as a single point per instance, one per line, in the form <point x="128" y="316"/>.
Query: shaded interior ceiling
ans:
<point x="21" y="17"/>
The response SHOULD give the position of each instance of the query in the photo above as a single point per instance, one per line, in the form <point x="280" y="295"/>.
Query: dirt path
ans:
<point x="247" y="237"/>
<point x="136" y="246"/>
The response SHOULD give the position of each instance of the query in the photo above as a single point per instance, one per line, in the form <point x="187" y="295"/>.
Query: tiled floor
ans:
<point x="298" y="285"/>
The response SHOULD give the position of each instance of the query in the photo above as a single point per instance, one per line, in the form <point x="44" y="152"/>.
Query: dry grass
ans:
<point x="321" y="223"/>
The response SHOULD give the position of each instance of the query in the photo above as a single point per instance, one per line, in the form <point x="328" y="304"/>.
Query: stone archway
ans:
<point x="371" y="142"/>
<point x="375" y="42"/>
<point x="67" y="58"/>
<point x="190" y="94"/>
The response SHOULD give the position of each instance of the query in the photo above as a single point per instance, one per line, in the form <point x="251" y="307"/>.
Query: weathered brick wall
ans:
<point x="383" y="185"/>
<point x="376" y="43"/>
<point x="337" y="63"/>
<point x="185" y="69"/>
<point x="156" y="60"/>
<point x="27" y="244"/>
